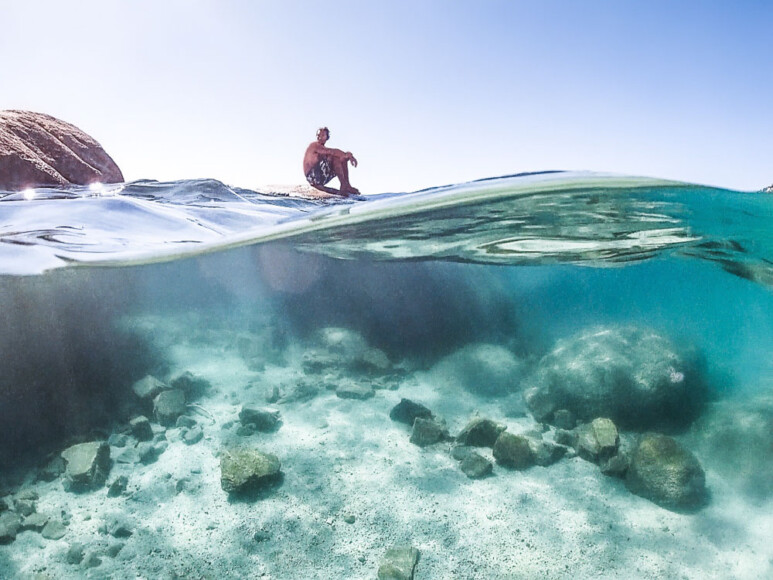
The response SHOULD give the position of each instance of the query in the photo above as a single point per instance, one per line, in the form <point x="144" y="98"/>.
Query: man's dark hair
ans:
<point x="325" y="129"/>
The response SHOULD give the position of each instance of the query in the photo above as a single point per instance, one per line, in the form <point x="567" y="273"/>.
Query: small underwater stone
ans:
<point x="398" y="564"/>
<point x="118" y="487"/>
<point x="428" y="431"/>
<point x="598" y="440"/>
<point x="28" y="494"/>
<point x="193" y="436"/>
<point x="480" y="432"/>
<point x="567" y="438"/>
<point x="564" y="419"/>
<point x="406" y="411"/>
<point x="148" y="387"/>
<point x="118" y="526"/>
<point x="476" y="466"/>
<point x="75" y="554"/>
<point x="130" y="456"/>
<point x="664" y="472"/>
<point x="168" y="405"/>
<point x="243" y="470"/>
<point x="24" y="507"/>
<point x="92" y="561"/>
<point x="354" y="391"/>
<point x="87" y="465"/>
<point x="349" y="519"/>
<point x="615" y="466"/>
<point x="114" y="549"/>
<point x="513" y="451"/>
<point x="9" y="526"/>
<point x="185" y="421"/>
<point x="194" y="387"/>
<point x="141" y="429"/>
<point x="53" y="530"/>
<point x="262" y="419"/>
<point x="546" y="453"/>
<point x="459" y="452"/>
<point x="34" y="522"/>
<point x="118" y="440"/>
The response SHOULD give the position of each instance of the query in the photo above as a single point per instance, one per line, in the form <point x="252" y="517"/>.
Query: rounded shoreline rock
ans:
<point x="38" y="150"/>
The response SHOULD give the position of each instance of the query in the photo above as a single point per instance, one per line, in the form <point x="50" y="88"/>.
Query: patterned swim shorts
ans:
<point x="320" y="174"/>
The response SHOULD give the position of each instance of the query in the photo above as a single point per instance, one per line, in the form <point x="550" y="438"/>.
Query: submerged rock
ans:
<point x="244" y="470"/>
<point x="398" y="564"/>
<point x="354" y="391"/>
<point x="597" y="441"/>
<point x="428" y="432"/>
<point x="261" y="418"/>
<point x="87" y="465"/>
<point x="118" y="487"/>
<point x="634" y="376"/>
<point x="39" y="150"/>
<point x="34" y="522"/>
<point x="513" y="451"/>
<point x="476" y="466"/>
<point x="9" y="526"/>
<point x="546" y="453"/>
<point x="194" y="387"/>
<point x="168" y="406"/>
<point x="406" y="411"/>
<point x="141" y="429"/>
<point x="664" y="472"/>
<point x="480" y="432"/>
<point x="53" y="530"/>
<point x="148" y="387"/>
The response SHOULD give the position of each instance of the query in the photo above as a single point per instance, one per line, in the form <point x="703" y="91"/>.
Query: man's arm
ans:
<point x="323" y="151"/>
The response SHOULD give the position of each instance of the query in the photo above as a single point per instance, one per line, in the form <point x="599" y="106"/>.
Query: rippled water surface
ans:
<point x="514" y="299"/>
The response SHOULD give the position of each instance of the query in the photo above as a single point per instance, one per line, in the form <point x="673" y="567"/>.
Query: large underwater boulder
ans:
<point x="39" y="150"/>
<point x="633" y="376"/>
<point x="664" y="472"/>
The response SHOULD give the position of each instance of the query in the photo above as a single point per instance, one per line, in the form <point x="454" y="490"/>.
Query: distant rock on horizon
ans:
<point x="38" y="150"/>
<point x="768" y="189"/>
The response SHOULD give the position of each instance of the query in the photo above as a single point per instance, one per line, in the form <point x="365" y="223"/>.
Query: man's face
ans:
<point x="323" y="136"/>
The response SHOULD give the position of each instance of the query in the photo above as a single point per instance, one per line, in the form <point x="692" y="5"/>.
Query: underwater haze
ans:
<point x="553" y="375"/>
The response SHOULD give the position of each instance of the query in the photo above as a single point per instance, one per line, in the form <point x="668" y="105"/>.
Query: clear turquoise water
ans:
<point x="521" y="262"/>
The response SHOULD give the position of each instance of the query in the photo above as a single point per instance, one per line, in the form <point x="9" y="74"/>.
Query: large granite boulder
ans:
<point x="633" y="376"/>
<point x="38" y="150"/>
<point x="664" y="472"/>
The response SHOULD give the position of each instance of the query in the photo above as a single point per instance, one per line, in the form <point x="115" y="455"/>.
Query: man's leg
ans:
<point x="341" y="168"/>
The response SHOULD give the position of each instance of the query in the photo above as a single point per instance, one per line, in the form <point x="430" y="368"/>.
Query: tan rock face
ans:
<point x="38" y="150"/>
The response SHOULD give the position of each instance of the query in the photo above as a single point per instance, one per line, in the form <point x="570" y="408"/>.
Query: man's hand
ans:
<point x="350" y="158"/>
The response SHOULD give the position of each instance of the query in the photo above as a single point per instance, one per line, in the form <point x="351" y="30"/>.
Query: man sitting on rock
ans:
<point x="321" y="164"/>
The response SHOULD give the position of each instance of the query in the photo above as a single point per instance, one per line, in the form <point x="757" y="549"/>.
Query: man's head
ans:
<point x="323" y="134"/>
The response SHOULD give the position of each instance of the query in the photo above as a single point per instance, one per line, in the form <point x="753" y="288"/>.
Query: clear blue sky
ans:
<point x="423" y="92"/>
